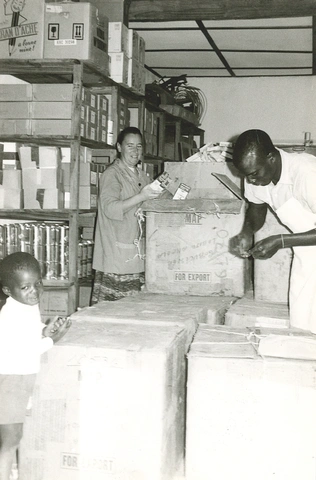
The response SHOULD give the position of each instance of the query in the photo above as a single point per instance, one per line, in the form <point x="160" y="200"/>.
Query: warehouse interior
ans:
<point x="200" y="374"/>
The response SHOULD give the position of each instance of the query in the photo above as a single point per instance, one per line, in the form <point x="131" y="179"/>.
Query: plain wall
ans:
<point x="282" y="106"/>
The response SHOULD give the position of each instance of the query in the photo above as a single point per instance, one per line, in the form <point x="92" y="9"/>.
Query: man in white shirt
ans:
<point x="286" y="183"/>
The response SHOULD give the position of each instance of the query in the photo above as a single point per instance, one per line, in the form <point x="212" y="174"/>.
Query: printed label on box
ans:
<point x="21" y="31"/>
<point x="66" y="41"/>
<point x="192" y="277"/>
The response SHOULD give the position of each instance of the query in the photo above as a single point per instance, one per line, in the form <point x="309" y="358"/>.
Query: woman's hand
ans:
<point x="149" y="192"/>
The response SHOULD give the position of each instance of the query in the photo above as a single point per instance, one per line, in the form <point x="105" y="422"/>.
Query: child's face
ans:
<point x="26" y="287"/>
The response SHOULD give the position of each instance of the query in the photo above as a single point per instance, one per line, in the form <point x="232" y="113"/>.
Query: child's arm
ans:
<point x="57" y="328"/>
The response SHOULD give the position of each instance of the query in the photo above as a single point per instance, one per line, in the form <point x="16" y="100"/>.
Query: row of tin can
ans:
<point x="47" y="242"/>
<point x="85" y="252"/>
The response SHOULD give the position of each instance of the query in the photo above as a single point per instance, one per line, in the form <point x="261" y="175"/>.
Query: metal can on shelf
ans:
<point x="79" y="260"/>
<point x="64" y="252"/>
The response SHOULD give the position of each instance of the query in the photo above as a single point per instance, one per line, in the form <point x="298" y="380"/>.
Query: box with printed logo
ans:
<point x="76" y="30"/>
<point x="22" y="29"/>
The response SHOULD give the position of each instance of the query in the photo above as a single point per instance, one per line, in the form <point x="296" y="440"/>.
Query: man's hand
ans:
<point x="240" y="245"/>
<point x="267" y="247"/>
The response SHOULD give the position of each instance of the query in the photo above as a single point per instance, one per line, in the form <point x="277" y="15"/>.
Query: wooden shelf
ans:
<point x="53" y="71"/>
<point x="60" y="140"/>
<point x="57" y="284"/>
<point x="46" y="215"/>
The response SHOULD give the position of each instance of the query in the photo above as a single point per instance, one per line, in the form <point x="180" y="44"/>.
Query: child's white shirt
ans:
<point x="21" y="342"/>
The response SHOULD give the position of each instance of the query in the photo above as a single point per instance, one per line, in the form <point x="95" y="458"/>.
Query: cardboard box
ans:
<point x="272" y="276"/>
<point x="87" y="174"/>
<point x="42" y="178"/>
<point x="49" y="157"/>
<point x="198" y="175"/>
<point x="88" y="197"/>
<point x="134" y="74"/>
<point x="119" y="67"/>
<point x="52" y="110"/>
<point x="54" y="302"/>
<point x="11" y="198"/>
<point x="133" y="44"/>
<point x="15" y="110"/>
<point x="76" y="30"/>
<point x="115" y="10"/>
<point x="15" y="92"/>
<point x="159" y="309"/>
<point x="247" y="416"/>
<point x="118" y="38"/>
<point x="21" y="33"/>
<point x="98" y="410"/>
<point x="29" y="157"/>
<point x="51" y="127"/>
<point x="12" y="179"/>
<point x="248" y="312"/>
<point x="15" y="127"/>
<point x="188" y="253"/>
<point x="142" y="51"/>
<point x="52" y="92"/>
<point x="43" y="198"/>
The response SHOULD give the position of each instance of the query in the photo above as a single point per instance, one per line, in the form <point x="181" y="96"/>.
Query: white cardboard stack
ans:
<point x="109" y="404"/>
<point x="248" y="312"/>
<point x="271" y="276"/>
<point x="248" y="417"/>
<point x="162" y="309"/>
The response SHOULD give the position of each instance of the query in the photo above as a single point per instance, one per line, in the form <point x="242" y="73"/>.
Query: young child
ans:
<point x="23" y="337"/>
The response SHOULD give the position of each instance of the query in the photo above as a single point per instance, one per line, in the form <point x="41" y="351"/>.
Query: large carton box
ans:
<point x="15" y="126"/>
<point x="108" y="405"/>
<point x="187" y="247"/>
<point x="118" y="38"/>
<point x="151" y="308"/>
<point x="76" y="30"/>
<point x="115" y="10"/>
<point x="247" y="416"/>
<point x="248" y="312"/>
<point x="21" y="92"/>
<point x="21" y="29"/>
<point x="272" y="276"/>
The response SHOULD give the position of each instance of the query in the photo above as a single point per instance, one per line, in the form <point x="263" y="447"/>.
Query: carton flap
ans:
<point x="194" y="205"/>
<point x="225" y="180"/>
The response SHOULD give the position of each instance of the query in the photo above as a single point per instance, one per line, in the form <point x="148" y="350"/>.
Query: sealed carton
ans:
<point x="248" y="416"/>
<point x="187" y="241"/>
<point x="108" y="405"/>
<point x="76" y="30"/>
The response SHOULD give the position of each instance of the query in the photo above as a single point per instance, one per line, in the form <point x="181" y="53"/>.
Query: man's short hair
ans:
<point x="256" y="141"/>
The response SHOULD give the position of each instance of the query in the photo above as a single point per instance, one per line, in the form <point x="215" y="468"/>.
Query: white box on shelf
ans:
<point x="118" y="37"/>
